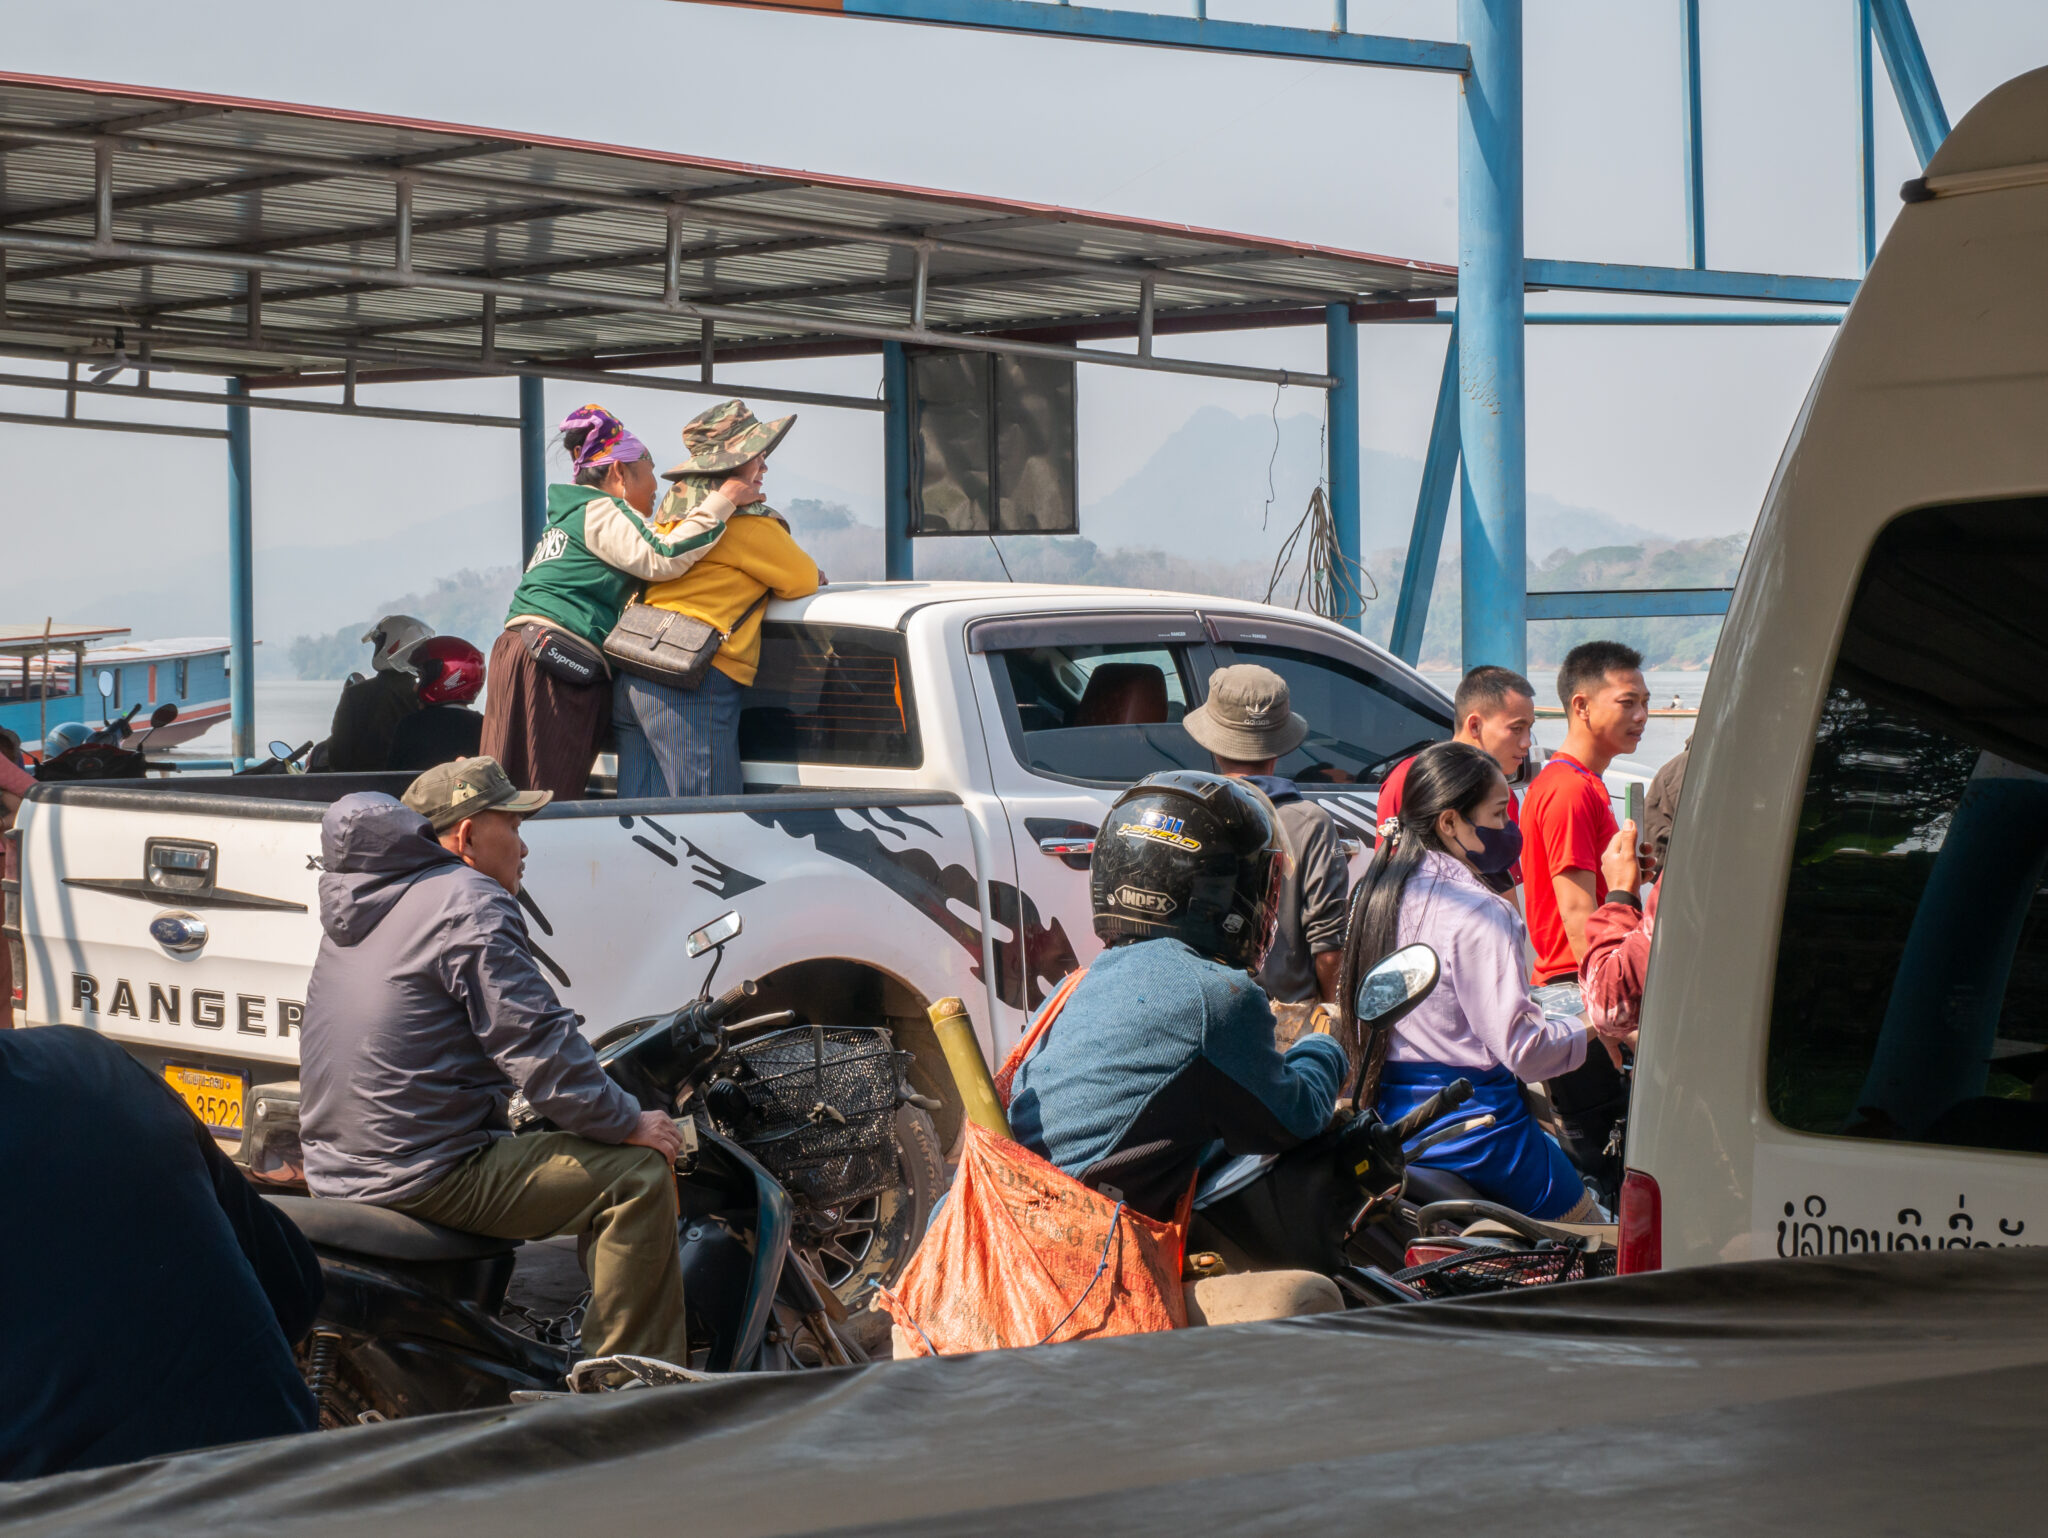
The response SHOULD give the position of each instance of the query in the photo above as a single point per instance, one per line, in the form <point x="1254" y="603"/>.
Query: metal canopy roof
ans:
<point x="294" y="244"/>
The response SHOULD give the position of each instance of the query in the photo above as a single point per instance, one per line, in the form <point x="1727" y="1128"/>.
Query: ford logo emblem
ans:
<point x="181" y="934"/>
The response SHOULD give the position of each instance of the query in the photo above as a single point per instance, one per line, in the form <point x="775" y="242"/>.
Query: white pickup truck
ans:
<point x="926" y="764"/>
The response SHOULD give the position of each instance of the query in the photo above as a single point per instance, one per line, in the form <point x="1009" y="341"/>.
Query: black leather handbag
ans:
<point x="666" y="647"/>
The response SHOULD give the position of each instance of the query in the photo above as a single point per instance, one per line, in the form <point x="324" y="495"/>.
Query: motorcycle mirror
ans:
<point x="1397" y="984"/>
<point x="163" y="715"/>
<point x="280" y="750"/>
<point x="106" y="683"/>
<point x="721" y="929"/>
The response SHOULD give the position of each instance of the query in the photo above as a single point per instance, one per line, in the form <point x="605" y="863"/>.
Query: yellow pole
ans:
<point x="970" y="1070"/>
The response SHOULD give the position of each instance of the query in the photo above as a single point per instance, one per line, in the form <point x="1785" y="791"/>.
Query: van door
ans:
<point x="1076" y="707"/>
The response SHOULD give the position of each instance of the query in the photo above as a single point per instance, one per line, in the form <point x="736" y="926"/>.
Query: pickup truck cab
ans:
<point x="1845" y="1030"/>
<point x="926" y="767"/>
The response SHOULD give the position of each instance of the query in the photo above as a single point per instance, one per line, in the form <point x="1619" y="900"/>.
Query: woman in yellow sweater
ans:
<point x="686" y="742"/>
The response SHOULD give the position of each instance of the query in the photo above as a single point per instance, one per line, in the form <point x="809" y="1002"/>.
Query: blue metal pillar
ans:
<point x="1695" y="151"/>
<point x="1432" y="512"/>
<point x="533" y="464"/>
<point x="896" y="560"/>
<point x="241" y="586"/>
<point x="1492" y="428"/>
<point x="1912" y="81"/>
<point x="1346" y="507"/>
<point x="1866" y="190"/>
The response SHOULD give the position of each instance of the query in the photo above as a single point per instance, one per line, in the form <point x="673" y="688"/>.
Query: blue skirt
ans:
<point x="1513" y="1162"/>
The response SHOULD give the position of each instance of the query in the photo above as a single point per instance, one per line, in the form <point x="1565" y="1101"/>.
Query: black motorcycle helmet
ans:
<point x="1195" y="856"/>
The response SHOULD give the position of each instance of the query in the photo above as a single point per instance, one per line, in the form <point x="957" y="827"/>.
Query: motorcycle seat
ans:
<point x="363" y="1229"/>
<point x="1425" y="1185"/>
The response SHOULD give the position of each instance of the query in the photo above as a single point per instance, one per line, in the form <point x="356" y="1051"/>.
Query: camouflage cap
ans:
<point x="726" y="437"/>
<point x="450" y="792"/>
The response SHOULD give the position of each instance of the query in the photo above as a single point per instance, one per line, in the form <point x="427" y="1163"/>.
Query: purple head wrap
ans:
<point x="607" y="442"/>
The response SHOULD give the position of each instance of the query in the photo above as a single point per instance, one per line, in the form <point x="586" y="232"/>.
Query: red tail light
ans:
<point x="1642" y="1224"/>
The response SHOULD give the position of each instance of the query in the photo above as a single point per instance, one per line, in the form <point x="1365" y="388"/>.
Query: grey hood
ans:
<point x="372" y="848"/>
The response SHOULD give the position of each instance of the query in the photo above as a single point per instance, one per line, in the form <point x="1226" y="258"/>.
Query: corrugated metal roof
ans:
<point x="569" y="244"/>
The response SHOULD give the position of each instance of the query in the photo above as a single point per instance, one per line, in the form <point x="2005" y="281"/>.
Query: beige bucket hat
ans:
<point x="1247" y="716"/>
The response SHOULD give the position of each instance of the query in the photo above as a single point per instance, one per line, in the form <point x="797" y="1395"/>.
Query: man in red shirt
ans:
<point x="1567" y="818"/>
<point x="1567" y="824"/>
<point x="1496" y="713"/>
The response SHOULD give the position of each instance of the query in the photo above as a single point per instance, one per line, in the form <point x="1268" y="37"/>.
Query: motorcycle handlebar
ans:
<point x="1449" y="1098"/>
<point x="739" y="993"/>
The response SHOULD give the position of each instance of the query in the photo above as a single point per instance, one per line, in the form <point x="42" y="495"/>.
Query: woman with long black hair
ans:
<point x="1481" y="1023"/>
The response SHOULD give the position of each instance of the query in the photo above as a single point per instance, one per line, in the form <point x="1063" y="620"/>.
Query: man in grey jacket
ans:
<point x="426" y="1011"/>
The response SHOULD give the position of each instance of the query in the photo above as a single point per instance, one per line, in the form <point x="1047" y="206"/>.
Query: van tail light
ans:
<point x="1642" y="1224"/>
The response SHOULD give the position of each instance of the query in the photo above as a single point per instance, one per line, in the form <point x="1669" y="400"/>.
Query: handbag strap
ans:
<point x="748" y="613"/>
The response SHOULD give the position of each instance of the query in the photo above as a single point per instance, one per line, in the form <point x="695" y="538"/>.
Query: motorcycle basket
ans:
<point x="821" y="1108"/>
<point x="1496" y="1270"/>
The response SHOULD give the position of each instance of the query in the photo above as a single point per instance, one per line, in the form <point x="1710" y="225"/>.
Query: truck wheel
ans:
<point x="867" y="1242"/>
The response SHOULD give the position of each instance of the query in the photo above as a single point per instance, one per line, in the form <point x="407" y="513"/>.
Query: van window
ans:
<point x="1911" y="997"/>
<point x="831" y="694"/>
<point x="1106" y="711"/>
<point x="1358" y="722"/>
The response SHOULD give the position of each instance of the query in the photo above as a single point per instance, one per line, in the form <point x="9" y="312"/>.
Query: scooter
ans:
<point x="1355" y="1205"/>
<point x="101" y="754"/>
<point x="415" y="1318"/>
<point x="284" y="759"/>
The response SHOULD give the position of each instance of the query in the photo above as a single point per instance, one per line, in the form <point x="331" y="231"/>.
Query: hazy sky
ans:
<point x="1675" y="429"/>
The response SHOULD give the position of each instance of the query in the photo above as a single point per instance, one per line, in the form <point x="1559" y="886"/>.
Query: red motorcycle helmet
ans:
<point x="450" y="670"/>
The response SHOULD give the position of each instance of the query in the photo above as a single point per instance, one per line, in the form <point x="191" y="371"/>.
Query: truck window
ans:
<point x="831" y="694"/>
<point x="1358" y="722"/>
<point x="1106" y="712"/>
<point x="1911" y="996"/>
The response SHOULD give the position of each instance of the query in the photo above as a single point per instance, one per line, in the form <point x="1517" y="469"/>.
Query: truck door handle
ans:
<point x="1061" y="848"/>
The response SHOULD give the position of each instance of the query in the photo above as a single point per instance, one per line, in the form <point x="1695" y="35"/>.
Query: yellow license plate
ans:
<point x="215" y="1097"/>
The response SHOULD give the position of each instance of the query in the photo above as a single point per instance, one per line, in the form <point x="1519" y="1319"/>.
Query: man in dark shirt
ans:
<point x="150" y="1297"/>
<point x="367" y="715"/>
<point x="1248" y="725"/>
<point x="451" y="674"/>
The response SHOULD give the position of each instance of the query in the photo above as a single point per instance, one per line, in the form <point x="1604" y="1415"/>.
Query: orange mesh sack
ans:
<point x="1023" y="1254"/>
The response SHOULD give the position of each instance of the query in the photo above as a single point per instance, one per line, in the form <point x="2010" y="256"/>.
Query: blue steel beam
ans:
<point x="1912" y="81"/>
<point x="897" y="565"/>
<point x="1695" y="149"/>
<point x="1097" y="24"/>
<point x="1866" y="189"/>
<point x="1630" y="603"/>
<point x="533" y="464"/>
<point x="1432" y="512"/>
<point x="1341" y="349"/>
<point x="1685" y="283"/>
<point x="241" y="585"/>
<point x="1636" y="318"/>
<point x="1492" y="374"/>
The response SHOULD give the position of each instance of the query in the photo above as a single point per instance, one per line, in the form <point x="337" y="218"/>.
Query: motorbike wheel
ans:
<point x="867" y="1242"/>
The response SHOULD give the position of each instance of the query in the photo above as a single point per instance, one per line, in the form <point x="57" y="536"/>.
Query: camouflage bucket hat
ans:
<point x="726" y="437"/>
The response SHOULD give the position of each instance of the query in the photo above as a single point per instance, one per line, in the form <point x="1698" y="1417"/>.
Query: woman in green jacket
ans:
<point x="550" y="688"/>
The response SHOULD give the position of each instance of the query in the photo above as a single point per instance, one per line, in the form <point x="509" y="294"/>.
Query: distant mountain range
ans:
<point x="1207" y="511"/>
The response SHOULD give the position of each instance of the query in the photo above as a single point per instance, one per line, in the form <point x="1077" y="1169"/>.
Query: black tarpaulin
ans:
<point x="1896" y="1394"/>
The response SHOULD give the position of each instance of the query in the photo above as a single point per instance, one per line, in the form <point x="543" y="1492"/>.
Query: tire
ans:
<point x="873" y="1238"/>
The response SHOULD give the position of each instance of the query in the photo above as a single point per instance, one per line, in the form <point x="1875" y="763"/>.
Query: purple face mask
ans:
<point x="1499" y="848"/>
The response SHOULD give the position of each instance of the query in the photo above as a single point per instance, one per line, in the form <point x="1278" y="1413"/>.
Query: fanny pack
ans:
<point x="566" y="658"/>
<point x="666" y="647"/>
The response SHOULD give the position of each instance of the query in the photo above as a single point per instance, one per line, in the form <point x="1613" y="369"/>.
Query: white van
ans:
<point x="1845" y="1038"/>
